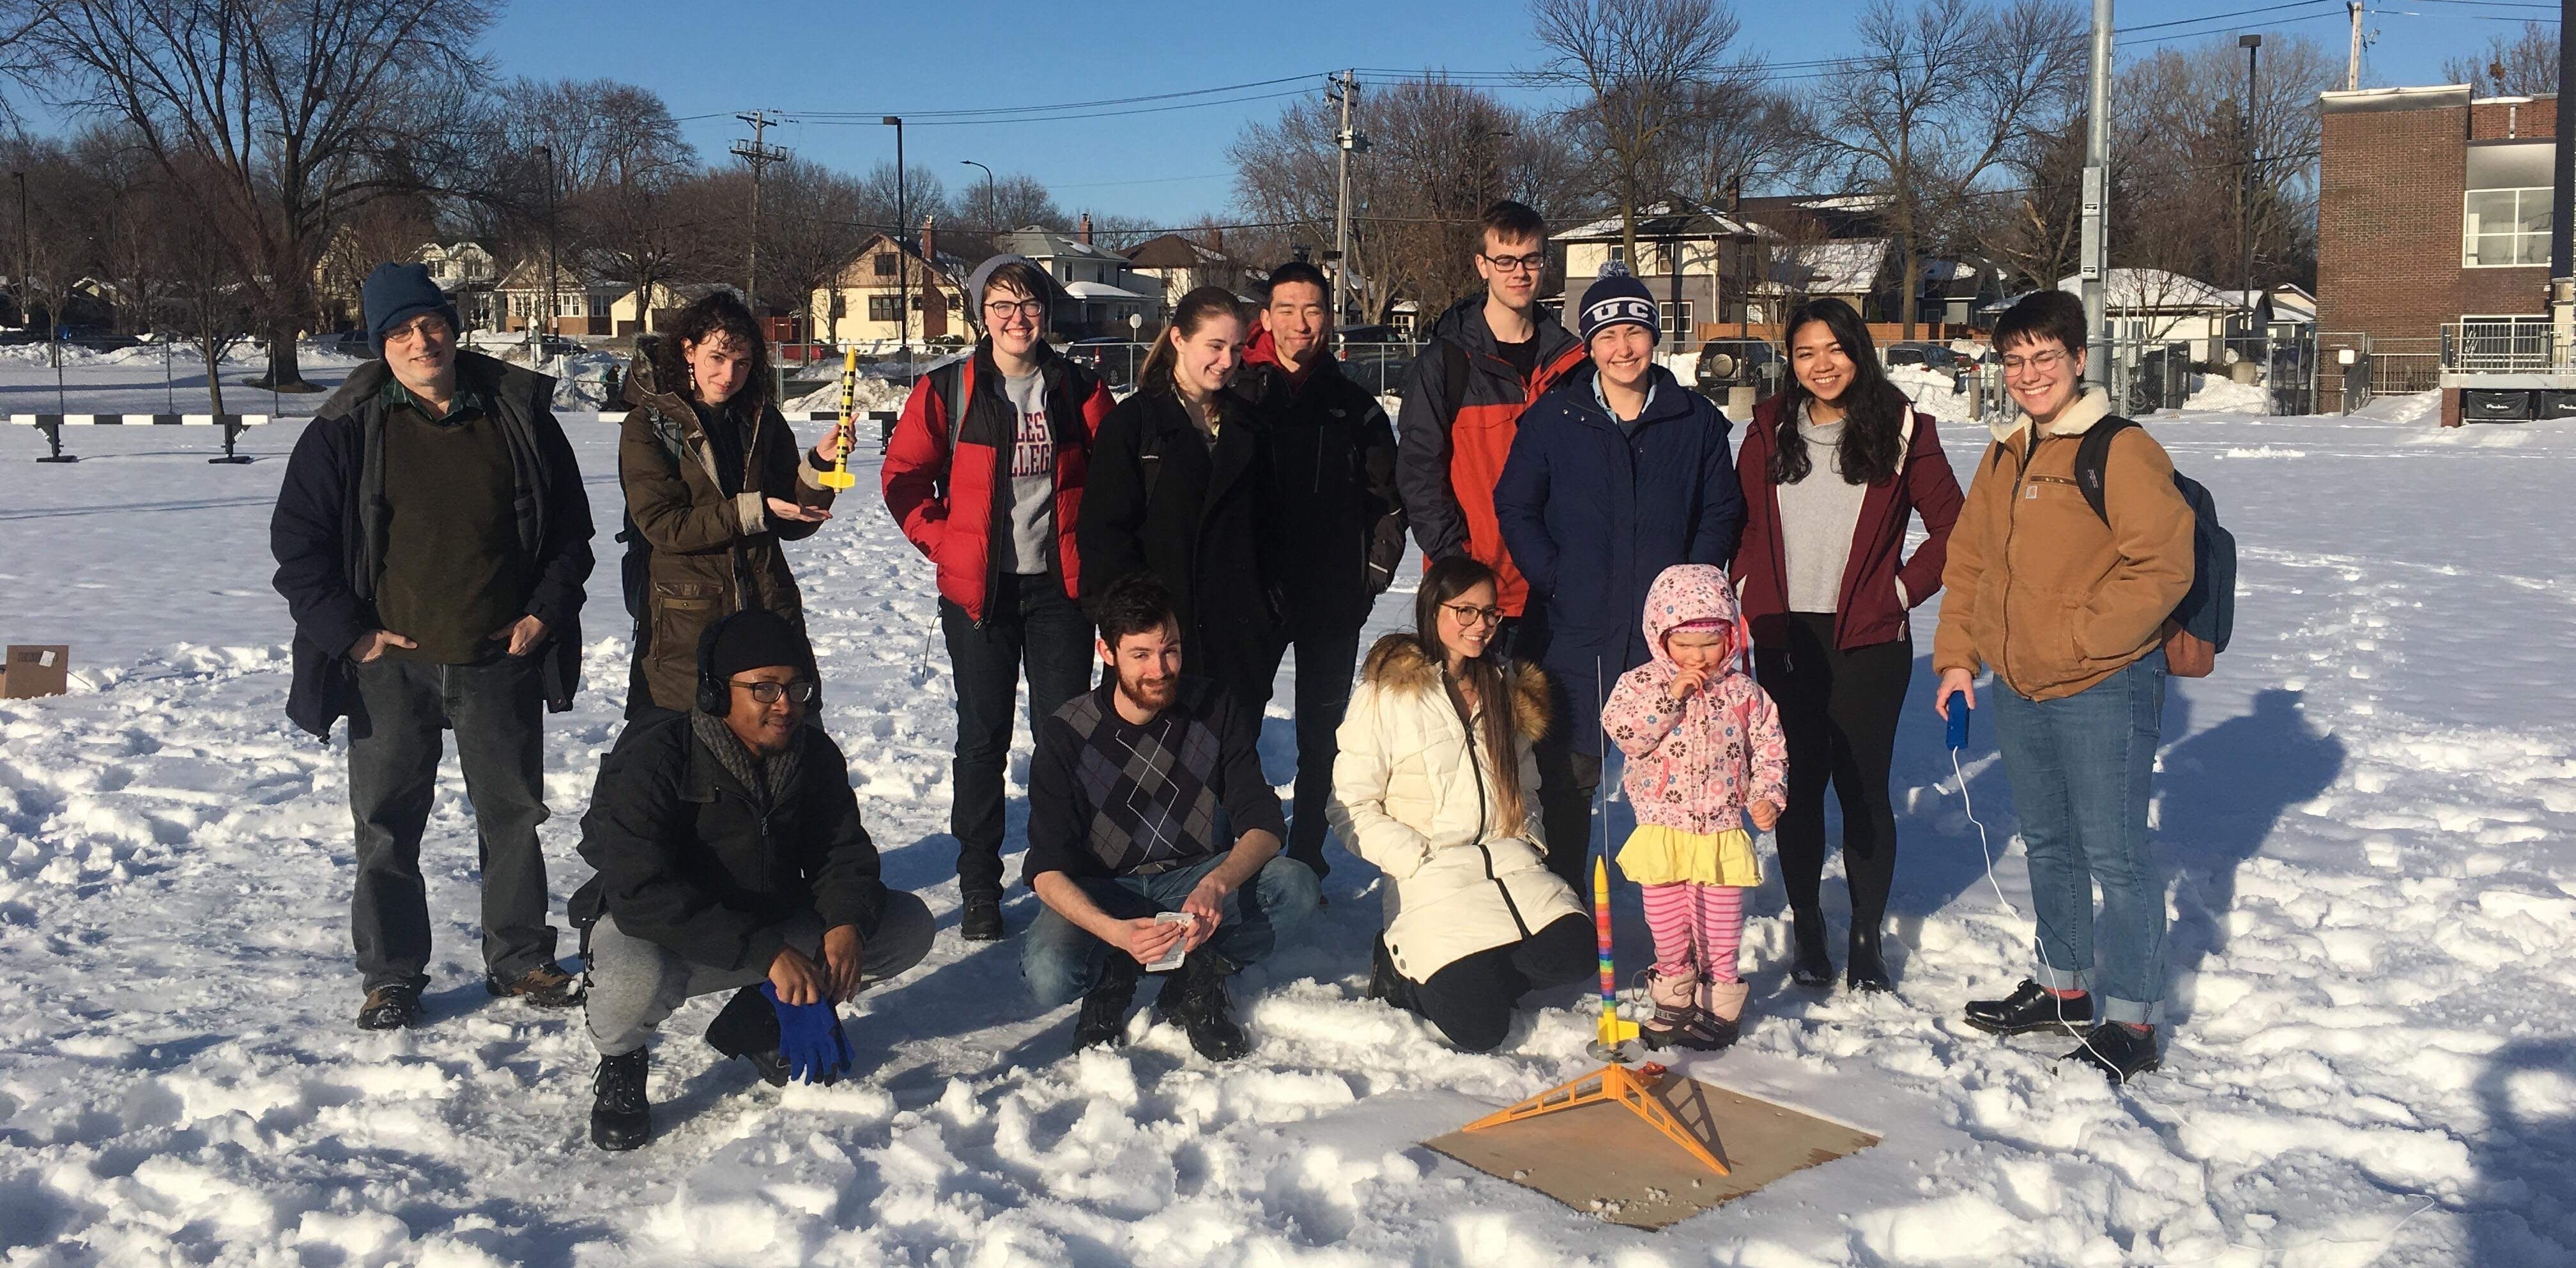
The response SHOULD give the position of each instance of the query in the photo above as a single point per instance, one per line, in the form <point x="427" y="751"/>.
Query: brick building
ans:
<point x="2431" y="207"/>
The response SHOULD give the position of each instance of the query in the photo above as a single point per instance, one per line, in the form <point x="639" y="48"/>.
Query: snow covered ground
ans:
<point x="2367" y="812"/>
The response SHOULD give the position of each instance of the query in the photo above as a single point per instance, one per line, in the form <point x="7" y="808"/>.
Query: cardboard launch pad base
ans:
<point x="1603" y="1159"/>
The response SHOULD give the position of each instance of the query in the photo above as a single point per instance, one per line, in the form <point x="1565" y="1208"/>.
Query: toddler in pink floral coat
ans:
<point x="1704" y="749"/>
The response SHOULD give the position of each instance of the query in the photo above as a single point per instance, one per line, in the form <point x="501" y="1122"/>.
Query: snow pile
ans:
<point x="1934" y="392"/>
<point x="2219" y="394"/>
<point x="871" y="394"/>
<point x="2368" y="814"/>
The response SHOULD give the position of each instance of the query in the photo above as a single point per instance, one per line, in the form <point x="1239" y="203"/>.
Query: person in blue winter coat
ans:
<point x="1618" y="473"/>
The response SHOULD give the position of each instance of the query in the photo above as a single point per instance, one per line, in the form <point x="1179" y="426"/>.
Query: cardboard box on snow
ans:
<point x="36" y="670"/>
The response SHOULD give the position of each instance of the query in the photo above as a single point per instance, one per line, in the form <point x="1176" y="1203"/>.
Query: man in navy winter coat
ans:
<point x="1618" y="473"/>
<point x="432" y="537"/>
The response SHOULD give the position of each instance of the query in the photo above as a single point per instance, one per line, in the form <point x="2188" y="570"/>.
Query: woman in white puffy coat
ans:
<point x="1436" y="786"/>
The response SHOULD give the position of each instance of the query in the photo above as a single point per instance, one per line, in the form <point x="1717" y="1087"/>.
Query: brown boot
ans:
<point x="545" y="986"/>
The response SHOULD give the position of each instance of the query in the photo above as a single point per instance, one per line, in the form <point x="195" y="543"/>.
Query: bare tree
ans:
<point x="1014" y="201"/>
<point x="2521" y="65"/>
<point x="1935" y="100"/>
<point x="1648" y="69"/>
<point x="296" y="112"/>
<point x="810" y="228"/>
<point x="616" y="156"/>
<point x="2177" y="178"/>
<point x="1121" y="233"/>
<point x="923" y="193"/>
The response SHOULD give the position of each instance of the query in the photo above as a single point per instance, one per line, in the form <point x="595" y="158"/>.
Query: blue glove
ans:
<point x="810" y="1038"/>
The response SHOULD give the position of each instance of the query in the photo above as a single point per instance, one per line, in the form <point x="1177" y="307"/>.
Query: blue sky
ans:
<point x="1169" y="165"/>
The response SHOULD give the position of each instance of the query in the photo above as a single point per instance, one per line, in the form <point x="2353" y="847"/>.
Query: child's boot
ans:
<point x="1676" y="1008"/>
<point x="1722" y="1003"/>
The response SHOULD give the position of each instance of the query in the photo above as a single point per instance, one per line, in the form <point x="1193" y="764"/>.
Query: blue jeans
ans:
<point x="2082" y="770"/>
<point x="1062" y="961"/>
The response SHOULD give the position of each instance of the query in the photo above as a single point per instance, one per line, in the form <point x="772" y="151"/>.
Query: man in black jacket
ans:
<point x="432" y="537"/>
<point x="1340" y="528"/>
<point x="730" y="853"/>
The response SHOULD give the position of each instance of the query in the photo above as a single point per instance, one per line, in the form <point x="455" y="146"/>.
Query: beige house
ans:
<point x="582" y="299"/>
<point x="867" y="301"/>
<point x="636" y="314"/>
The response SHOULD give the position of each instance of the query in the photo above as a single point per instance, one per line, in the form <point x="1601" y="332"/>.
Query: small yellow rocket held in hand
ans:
<point x="839" y="476"/>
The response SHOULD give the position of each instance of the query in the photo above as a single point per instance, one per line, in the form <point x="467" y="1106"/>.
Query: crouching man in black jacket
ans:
<point x="730" y="853"/>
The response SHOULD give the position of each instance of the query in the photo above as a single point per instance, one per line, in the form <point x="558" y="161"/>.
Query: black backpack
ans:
<point x="2203" y="622"/>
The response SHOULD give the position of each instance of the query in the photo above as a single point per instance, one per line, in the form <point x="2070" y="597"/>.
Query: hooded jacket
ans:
<point x="328" y="532"/>
<point x="1697" y="767"/>
<point x="2042" y="590"/>
<point x="1451" y="452"/>
<point x="947" y="480"/>
<point x="1595" y="511"/>
<point x="1340" y="529"/>
<point x="1412" y="793"/>
<point x="701" y="543"/>
<point x="1871" y="610"/>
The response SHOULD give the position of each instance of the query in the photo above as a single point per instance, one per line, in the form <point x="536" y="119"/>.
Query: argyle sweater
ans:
<point x="1108" y="798"/>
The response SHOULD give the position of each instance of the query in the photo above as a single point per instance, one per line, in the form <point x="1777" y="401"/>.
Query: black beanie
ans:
<point x="755" y="639"/>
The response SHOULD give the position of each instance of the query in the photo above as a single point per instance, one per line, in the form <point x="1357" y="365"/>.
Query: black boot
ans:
<point x="1812" y="967"/>
<point x="621" y="1118"/>
<point x="1864" y="970"/>
<point x="2120" y="1051"/>
<point x="748" y="1028"/>
<point x="981" y="920"/>
<point x="1103" y="1019"/>
<point x="2030" y="1007"/>
<point x="1384" y="982"/>
<point x="1203" y="1009"/>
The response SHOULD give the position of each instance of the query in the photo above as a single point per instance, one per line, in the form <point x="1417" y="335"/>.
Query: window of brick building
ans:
<point x="2504" y="219"/>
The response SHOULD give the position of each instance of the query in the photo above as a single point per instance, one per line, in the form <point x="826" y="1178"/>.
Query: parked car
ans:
<point x="1940" y="358"/>
<point x="1349" y="335"/>
<point x="1733" y="363"/>
<point x="1114" y="358"/>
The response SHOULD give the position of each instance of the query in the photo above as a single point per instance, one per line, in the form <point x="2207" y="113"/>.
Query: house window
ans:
<point x="886" y="263"/>
<point x="885" y="308"/>
<point x="2502" y="228"/>
<point x="1676" y="319"/>
<point x="1619" y="254"/>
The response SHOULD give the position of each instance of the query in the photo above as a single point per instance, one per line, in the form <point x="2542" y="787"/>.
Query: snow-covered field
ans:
<point x="2367" y="813"/>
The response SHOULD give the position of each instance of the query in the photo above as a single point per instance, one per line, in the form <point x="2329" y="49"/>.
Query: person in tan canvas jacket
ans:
<point x="2068" y="610"/>
<point x="714" y="483"/>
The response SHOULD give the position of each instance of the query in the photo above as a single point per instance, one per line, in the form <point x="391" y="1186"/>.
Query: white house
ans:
<point x="1102" y="289"/>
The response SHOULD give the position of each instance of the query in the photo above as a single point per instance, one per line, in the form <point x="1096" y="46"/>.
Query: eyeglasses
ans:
<point x="1029" y="308"/>
<point x="800" y="690"/>
<point x="1471" y="615"/>
<point x="417" y="329"/>
<point x="2040" y="362"/>
<point x="1515" y="263"/>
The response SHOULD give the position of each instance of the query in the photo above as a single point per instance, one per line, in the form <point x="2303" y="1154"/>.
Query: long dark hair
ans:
<point x="719" y="313"/>
<point x="1873" y="409"/>
<point x="1442" y="583"/>
<point x="1196" y="309"/>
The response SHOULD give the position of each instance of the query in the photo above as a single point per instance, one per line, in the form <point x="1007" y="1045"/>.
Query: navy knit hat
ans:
<point x="396" y="293"/>
<point x="1617" y="298"/>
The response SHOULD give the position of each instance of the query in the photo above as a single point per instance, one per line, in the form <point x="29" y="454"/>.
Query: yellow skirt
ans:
<point x="1662" y="856"/>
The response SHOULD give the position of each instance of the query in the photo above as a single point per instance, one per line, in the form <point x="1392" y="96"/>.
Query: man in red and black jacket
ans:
<point x="985" y="473"/>
<point x="1490" y="355"/>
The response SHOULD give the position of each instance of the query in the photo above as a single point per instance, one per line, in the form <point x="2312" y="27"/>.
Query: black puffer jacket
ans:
<point x="1340" y="528"/>
<point x="687" y="860"/>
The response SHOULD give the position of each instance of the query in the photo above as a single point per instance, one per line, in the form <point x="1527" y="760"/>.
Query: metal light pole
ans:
<point x="903" y="274"/>
<point x="2562" y="205"/>
<point x="2095" y="251"/>
<point x="26" y="256"/>
<point x="2253" y="45"/>
<point x="992" y="198"/>
<point x="554" y="269"/>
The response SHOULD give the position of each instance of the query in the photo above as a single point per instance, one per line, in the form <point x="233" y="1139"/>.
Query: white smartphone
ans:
<point x="1180" y="947"/>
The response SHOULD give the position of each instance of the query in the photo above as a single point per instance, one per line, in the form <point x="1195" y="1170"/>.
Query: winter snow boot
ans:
<point x="1203" y="1009"/>
<point x="2030" y="1007"/>
<point x="1722" y="1003"/>
<point x="2120" y="1051"/>
<point x="394" y="1006"/>
<point x="621" y="1118"/>
<point x="1103" y="1019"/>
<point x="981" y="921"/>
<point x="1864" y="971"/>
<point x="545" y="986"/>
<point x="1812" y="967"/>
<point x="1679" y="1021"/>
<point x="748" y="1028"/>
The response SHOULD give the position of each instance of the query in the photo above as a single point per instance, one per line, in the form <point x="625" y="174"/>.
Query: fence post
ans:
<point x="232" y="428"/>
<point x="53" y="440"/>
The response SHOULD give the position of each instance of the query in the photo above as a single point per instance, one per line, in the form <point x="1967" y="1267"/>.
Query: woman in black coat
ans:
<point x="1178" y="487"/>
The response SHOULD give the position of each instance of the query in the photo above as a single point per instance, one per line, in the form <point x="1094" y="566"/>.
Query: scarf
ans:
<point x="769" y="780"/>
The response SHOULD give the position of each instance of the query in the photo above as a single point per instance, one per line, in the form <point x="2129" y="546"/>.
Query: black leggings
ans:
<point x="1470" y="998"/>
<point x="1839" y="712"/>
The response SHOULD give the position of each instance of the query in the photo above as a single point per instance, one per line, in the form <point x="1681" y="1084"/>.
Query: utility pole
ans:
<point x="758" y="156"/>
<point x="2562" y="205"/>
<point x="1345" y="87"/>
<point x="2096" y="244"/>
<point x="26" y="258"/>
<point x="546" y="324"/>
<point x="2253" y="46"/>
<point x="2352" y="65"/>
<point x="902" y="225"/>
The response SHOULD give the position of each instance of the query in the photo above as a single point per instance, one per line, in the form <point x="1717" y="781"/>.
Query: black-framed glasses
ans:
<point x="1470" y="614"/>
<point x="1032" y="309"/>
<point x="800" y="690"/>
<point x="1515" y="263"/>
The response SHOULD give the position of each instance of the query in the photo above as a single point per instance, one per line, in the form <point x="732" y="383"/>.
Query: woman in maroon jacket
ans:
<point x="1832" y="468"/>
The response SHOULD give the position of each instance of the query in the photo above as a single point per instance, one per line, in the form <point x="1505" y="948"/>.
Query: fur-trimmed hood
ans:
<point x="1396" y="664"/>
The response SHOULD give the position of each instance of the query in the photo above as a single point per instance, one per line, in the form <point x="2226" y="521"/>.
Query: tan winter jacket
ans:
<point x="1408" y="797"/>
<point x="2039" y="589"/>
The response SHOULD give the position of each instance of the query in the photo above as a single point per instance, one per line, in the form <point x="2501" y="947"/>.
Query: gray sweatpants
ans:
<point x="635" y="984"/>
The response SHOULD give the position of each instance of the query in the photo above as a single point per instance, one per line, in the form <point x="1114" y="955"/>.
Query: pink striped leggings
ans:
<point x="1700" y="925"/>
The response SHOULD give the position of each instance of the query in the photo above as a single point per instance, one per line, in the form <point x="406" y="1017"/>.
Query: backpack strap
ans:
<point x="2093" y="457"/>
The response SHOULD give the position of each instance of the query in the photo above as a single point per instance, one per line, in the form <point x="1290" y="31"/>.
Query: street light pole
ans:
<point x="2245" y="140"/>
<point x="554" y="269"/>
<point x="2094" y="253"/>
<point x="992" y="197"/>
<point x="26" y="256"/>
<point x="903" y="272"/>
